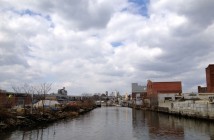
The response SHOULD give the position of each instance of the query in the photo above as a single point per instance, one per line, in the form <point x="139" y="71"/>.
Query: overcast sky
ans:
<point x="105" y="45"/>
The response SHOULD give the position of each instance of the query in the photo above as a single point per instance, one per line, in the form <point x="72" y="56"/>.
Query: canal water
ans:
<point x="118" y="123"/>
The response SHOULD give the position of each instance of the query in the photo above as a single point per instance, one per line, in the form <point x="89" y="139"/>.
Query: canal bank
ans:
<point x="187" y="105"/>
<point x="118" y="123"/>
<point x="10" y="120"/>
<point x="190" y="108"/>
<point x="181" y="112"/>
<point x="186" y="113"/>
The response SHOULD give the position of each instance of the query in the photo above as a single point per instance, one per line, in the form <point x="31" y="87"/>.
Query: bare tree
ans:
<point x="29" y="89"/>
<point x="17" y="89"/>
<point x="43" y="90"/>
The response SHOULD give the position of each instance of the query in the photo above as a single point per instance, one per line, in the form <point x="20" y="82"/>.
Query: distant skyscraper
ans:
<point x="115" y="93"/>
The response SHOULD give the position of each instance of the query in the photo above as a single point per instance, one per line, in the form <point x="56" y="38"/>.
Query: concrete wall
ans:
<point x="163" y="102"/>
<point x="201" y="108"/>
<point x="163" y="97"/>
<point x="146" y="102"/>
<point x="139" y="102"/>
<point x="202" y="96"/>
<point x="167" y="104"/>
<point x="205" y="96"/>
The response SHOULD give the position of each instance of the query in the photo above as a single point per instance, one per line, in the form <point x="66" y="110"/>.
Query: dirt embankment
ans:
<point x="13" y="120"/>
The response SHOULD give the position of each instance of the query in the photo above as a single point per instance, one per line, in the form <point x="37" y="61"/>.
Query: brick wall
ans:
<point x="210" y="78"/>
<point x="202" y="89"/>
<point x="153" y="88"/>
<point x="163" y="87"/>
<point x="2" y="99"/>
<point x="10" y="99"/>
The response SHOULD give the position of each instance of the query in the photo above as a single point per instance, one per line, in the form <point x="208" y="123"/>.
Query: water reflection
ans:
<point x="118" y="124"/>
<point x="157" y="126"/>
<point x="163" y="126"/>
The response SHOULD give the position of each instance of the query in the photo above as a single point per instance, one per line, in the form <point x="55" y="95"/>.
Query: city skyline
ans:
<point x="100" y="45"/>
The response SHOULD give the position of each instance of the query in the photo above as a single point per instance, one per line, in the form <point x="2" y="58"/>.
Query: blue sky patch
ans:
<point x="116" y="44"/>
<point x="29" y="12"/>
<point x="142" y="6"/>
<point x="32" y="13"/>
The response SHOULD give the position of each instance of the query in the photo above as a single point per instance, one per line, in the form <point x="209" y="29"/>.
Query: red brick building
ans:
<point x="9" y="99"/>
<point x="210" y="78"/>
<point x="153" y="88"/>
<point x="202" y="89"/>
<point x="3" y="98"/>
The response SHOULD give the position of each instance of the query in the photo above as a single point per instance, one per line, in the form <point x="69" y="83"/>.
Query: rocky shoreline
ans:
<point x="11" y="121"/>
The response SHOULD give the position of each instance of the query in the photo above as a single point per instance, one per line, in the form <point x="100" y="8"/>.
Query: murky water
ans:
<point x="116" y="123"/>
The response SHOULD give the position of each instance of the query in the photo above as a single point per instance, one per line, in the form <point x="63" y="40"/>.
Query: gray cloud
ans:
<point x="70" y="43"/>
<point x="81" y="14"/>
<point x="200" y="12"/>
